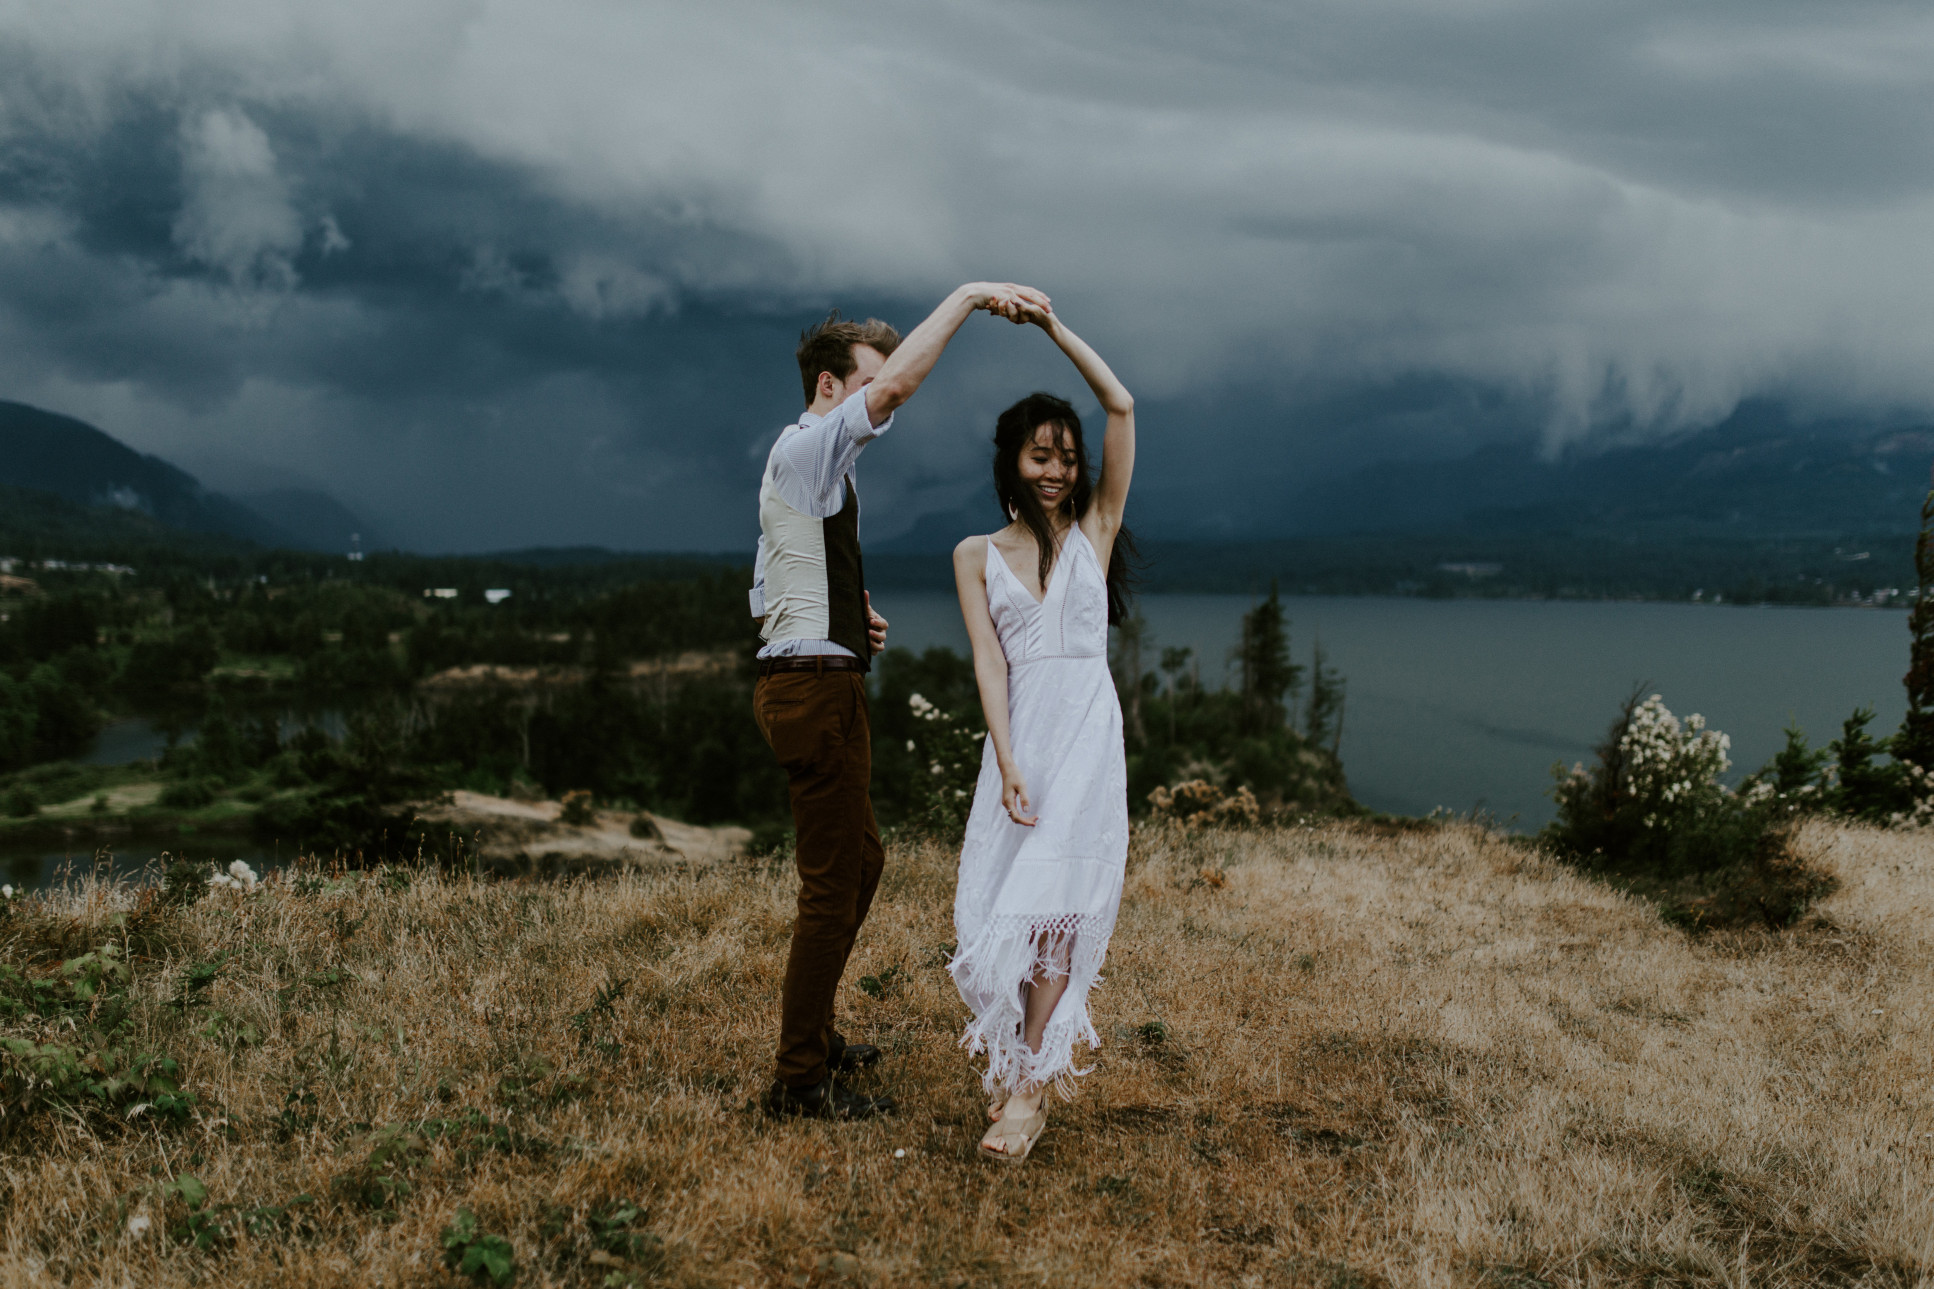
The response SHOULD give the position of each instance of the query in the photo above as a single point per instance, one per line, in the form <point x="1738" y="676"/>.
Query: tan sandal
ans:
<point x="1026" y="1132"/>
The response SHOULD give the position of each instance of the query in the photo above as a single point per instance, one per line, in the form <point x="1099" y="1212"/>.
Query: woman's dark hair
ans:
<point x="1012" y="433"/>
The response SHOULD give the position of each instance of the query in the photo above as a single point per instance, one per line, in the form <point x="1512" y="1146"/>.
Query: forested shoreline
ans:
<point x="309" y="701"/>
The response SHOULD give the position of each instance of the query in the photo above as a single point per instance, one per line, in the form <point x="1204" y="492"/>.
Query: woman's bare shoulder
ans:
<point x="971" y="555"/>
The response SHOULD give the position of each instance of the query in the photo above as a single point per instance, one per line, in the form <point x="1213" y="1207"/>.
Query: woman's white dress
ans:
<point x="1046" y="895"/>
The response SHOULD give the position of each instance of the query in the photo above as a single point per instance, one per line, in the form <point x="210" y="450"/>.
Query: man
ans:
<point x="809" y="593"/>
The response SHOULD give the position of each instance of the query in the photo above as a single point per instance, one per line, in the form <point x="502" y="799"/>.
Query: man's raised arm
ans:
<point x="909" y="364"/>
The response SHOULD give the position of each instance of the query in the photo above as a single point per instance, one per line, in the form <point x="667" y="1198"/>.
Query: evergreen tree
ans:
<point x="1915" y="742"/>
<point x="1323" y="717"/>
<point x="1867" y="789"/>
<point x="1175" y="661"/>
<point x="1269" y="678"/>
<point x="218" y="744"/>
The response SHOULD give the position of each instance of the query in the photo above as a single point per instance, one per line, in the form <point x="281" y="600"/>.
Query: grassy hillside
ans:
<point x="1337" y="1056"/>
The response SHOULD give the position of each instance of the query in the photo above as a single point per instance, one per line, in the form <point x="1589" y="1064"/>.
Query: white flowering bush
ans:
<point x="1671" y="765"/>
<point x="1919" y="812"/>
<point x="950" y="751"/>
<point x="1656" y="775"/>
<point x="239" y="877"/>
<point x="1654" y="813"/>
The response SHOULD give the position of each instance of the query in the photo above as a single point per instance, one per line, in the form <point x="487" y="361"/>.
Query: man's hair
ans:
<point x="828" y="346"/>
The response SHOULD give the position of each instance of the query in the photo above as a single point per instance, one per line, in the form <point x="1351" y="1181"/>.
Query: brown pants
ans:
<point x="816" y="723"/>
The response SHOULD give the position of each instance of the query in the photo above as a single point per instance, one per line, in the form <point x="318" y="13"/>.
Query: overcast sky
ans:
<point x="500" y="274"/>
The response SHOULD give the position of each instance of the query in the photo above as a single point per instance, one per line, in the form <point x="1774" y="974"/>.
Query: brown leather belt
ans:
<point x="811" y="662"/>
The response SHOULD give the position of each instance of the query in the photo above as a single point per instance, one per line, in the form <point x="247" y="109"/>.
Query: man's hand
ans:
<point x="908" y="365"/>
<point x="1009" y="300"/>
<point x="875" y="626"/>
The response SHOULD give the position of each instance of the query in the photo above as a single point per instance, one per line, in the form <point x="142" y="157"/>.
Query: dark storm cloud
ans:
<point x="519" y="273"/>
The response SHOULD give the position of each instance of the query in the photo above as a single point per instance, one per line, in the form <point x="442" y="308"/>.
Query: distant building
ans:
<point x="1472" y="570"/>
<point x="496" y="595"/>
<point x="440" y="592"/>
<point x="355" y="548"/>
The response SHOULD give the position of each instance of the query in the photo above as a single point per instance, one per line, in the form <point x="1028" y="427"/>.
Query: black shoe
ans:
<point x="851" y="1058"/>
<point x="826" y="1101"/>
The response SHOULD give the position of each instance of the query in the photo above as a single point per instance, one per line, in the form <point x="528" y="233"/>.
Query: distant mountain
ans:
<point x="941" y="530"/>
<point x="666" y="564"/>
<point x="313" y="520"/>
<point x="1755" y="474"/>
<point x="48" y="452"/>
<point x="37" y="524"/>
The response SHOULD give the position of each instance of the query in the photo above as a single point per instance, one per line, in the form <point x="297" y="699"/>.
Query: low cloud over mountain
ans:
<point x="530" y="273"/>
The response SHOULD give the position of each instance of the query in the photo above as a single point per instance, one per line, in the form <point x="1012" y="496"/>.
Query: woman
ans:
<point x="1041" y="869"/>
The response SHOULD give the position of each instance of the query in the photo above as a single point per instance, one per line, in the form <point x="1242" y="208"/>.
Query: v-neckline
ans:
<point x="1060" y="558"/>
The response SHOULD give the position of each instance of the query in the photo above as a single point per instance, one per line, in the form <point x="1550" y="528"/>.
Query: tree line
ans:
<point x="307" y="691"/>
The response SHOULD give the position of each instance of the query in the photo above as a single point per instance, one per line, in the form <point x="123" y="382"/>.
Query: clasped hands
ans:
<point x="1018" y="304"/>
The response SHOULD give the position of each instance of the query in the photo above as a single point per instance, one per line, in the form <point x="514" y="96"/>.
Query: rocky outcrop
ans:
<point x="530" y="838"/>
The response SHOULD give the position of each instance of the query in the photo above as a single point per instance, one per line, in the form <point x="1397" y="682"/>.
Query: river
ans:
<point x="1461" y="704"/>
<point x="1465" y="704"/>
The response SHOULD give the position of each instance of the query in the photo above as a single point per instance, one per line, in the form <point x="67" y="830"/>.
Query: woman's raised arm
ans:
<point x="1118" y="443"/>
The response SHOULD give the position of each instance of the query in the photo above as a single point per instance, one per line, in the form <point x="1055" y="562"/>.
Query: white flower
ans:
<point x="909" y="745"/>
<point x="139" y="1225"/>
<point x="239" y="877"/>
<point x="6" y="892"/>
<point x="919" y="705"/>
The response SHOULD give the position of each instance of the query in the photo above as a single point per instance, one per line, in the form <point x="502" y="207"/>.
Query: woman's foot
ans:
<point x="994" y="1108"/>
<point x="1018" y="1125"/>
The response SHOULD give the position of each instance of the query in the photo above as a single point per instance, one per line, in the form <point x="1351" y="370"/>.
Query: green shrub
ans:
<point x="381" y="1177"/>
<point x="187" y="1217"/>
<point x="188" y="794"/>
<point x="157" y="667"/>
<point x="285" y="771"/>
<point x="75" y="1048"/>
<point x="1861" y="786"/>
<point x="359" y="806"/>
<point x="578" y="810"/>
<point x="20" y="802"/>
<point x="636" y="1253"/>
<point x="1652" y="815"/>
<point x="182" y="883"/>
<point x="949" y="750"/>
<point x="1180" y="733"/>
<point x="92" y="1075"/>
<point x="469" y="1251"/>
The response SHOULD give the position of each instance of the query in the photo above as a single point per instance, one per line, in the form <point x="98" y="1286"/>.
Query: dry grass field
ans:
<point x="1337" y="1056"/>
